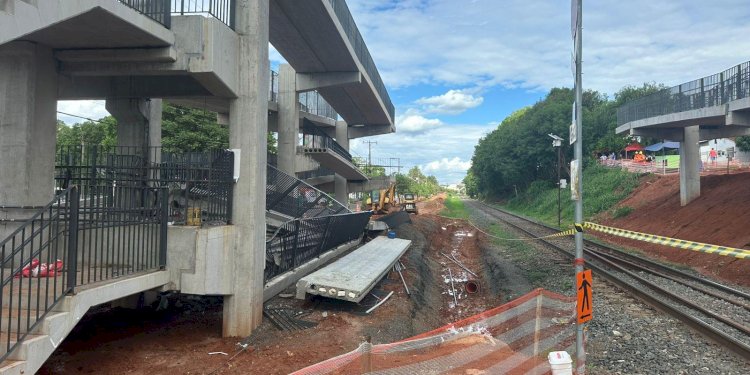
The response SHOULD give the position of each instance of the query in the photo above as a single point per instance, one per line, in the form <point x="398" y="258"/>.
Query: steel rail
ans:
<point x="693" y="322"/>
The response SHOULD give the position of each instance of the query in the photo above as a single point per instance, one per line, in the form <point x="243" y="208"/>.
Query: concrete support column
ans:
<point x="690" y="164"/>
<point x="248" y="127"/>
<point x="28" y="105"/>
<point x="138" y="124"/>
<point x="288" y="119"/>
<point x="341" y="188"/>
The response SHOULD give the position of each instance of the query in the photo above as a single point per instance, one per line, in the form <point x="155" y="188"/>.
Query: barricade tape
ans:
<point x="667" y="241"/>
<point x="645" y="237"/>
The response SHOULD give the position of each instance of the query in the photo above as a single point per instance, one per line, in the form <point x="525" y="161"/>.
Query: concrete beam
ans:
<point x="163" y="55"/>
<point x="314" y="81"/>
<point x="138" y="122"/>
<point x="690" y="164"/>
<point x="369" y="131"/>
<point x="736" y="118"/>
<point x="705" y="133"/>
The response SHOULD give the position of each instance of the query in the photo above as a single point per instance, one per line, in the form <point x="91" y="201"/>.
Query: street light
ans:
<point x="557" y="143"/>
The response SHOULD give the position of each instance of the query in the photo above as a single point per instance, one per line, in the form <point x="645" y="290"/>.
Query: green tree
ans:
<point x="743" y="143"/>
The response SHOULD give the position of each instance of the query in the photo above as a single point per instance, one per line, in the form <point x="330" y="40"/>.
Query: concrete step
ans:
<point x="11" y="367"/>
<point x="21" y="320"/>
<point x="22" y="350"/>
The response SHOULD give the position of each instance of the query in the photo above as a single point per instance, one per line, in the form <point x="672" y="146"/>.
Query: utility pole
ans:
<point x="369" y="154"/>
<point x="577" y="186"/>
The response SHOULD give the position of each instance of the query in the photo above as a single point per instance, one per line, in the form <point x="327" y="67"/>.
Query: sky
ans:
<point x="456" y="68"/>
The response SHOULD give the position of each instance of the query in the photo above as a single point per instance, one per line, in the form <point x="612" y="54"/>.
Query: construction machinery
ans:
<point x="410" y="203"/>
<point x="381" y="201"/>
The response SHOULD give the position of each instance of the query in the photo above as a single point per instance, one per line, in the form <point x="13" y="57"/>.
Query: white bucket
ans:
<point x="560" y="363"/>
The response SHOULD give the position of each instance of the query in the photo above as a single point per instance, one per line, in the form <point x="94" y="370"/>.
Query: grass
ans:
<point x="523" y="254"/>
<point x="454" y="208"/>
<point x="603" y="188"/>
<point x="621" y="212"/>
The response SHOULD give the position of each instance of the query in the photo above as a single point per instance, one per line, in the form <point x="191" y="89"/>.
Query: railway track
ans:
<point x="715" y="310"/>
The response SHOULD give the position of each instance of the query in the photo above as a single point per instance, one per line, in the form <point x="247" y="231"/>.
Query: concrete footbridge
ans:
<point x="717" y="106"/>
<point x="108" y="223"/>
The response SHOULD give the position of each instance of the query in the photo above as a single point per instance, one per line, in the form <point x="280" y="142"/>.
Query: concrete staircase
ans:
<point x="27" y="18"/>
<point x="51" y="330"/>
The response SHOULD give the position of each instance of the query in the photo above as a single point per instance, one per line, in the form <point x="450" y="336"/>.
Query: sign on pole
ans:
<point x="572" y="133"/>
<point x="584" y="307"/>
<point x="575" y="193"/>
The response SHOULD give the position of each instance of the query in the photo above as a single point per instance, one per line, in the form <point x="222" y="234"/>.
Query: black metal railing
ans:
<point x="301" y="240"/>
<point x="313" y="102"/>
<point x="314" y="137"/>
<point x="717" y="89"/>
<point x="199" y="183"/>
<point x="77" y="240"/>
<point x="294" y="198"/>
<point x="360" y="49"/>
<point x="222" y="10"/>
<point x="157" y="10"/>
<point x="320" y="172"/>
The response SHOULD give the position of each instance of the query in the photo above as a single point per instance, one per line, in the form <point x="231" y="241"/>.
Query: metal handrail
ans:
<point x="360" y="49"/>
<point x="314" y="137"/>
<point x="161" y="11"/>
<point x="713" y="90"/>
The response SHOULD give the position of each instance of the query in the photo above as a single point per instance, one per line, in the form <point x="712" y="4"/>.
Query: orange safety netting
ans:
<point x="514" y="338"/>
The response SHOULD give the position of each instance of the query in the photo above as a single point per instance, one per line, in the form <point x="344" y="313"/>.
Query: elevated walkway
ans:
<point x="319" y="38"/>
<point x="717" y="106"/>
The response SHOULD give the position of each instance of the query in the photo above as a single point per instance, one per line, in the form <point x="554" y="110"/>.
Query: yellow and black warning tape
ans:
<point x="646" y="237"/>
<point x="667" y="241"/>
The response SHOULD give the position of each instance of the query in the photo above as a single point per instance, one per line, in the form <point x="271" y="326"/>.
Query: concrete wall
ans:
<point x="199" y="260"/>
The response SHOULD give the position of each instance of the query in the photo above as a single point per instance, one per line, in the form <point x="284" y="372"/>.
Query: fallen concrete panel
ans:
<point x="352" y="277"/>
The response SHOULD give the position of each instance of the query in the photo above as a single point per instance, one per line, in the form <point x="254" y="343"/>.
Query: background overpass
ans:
<point x="717" y="106"/>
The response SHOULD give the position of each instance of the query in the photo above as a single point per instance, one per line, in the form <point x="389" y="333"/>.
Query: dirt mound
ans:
<point x="433" y="205"/>
<point x="719" y="217"/>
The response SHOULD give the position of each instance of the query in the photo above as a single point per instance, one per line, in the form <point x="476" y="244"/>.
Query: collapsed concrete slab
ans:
<point x="352" y="277"/>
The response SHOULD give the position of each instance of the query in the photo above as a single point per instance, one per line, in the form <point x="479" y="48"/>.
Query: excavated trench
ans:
<point x="178" y="339"/>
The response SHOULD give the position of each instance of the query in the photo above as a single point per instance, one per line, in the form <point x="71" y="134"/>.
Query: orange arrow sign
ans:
<point x="584" y="308"/>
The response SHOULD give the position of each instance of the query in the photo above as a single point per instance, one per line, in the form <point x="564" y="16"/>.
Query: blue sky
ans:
<point x="456" y="68"/>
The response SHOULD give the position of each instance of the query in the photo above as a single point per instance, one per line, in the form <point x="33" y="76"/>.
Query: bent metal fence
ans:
<point x="200" y="183"/>
<point x="301" y="240"/>
<point x="717" y="89"/>
<point x="296" y="199"/>
<point x="73" y="241"/>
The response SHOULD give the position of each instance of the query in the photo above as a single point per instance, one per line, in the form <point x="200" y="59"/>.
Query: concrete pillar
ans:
<point x="138" y="125"/>
<point x="690" y="164"/>
<point x="288" y="119"/>
<point x="341" y="188"/>
<point x="248" y="127"/>
<point x="28" y="128"/>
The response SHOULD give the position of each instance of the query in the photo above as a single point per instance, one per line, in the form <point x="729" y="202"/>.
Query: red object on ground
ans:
<point x="37" y="269"/>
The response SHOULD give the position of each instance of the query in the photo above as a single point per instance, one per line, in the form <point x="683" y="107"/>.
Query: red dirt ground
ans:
<point x="179" y="340"/>
<point x="720" y="216"/>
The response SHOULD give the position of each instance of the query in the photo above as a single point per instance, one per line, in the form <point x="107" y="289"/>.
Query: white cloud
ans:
<point x="414" y="123"/>
<point x="418" y="149"/>
<point x="93" y="109"/>
<point x="448" y="165"/>
<point x="523" y="44"/>
<point x="452" y="102"/>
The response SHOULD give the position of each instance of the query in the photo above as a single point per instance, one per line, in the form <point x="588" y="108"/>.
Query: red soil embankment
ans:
<point x="720" y="216"/>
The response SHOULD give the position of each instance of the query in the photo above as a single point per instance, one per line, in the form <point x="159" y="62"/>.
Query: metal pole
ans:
<point x="559" y="185"/>
<point x="580" y="350"/>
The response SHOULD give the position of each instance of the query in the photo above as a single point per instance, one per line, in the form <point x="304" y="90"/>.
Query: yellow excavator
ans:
<point x="382" y="200"/>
